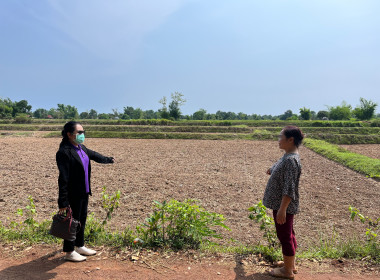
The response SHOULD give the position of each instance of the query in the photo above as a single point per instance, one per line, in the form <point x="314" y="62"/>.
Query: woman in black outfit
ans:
<point x="73" y="161"/>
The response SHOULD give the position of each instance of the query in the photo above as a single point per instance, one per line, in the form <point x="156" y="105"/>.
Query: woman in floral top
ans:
<point x="281" y="195"/>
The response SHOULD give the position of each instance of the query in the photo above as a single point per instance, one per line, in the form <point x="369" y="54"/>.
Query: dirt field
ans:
<point x="226" y="176"/>
<point x="370" y="150"/>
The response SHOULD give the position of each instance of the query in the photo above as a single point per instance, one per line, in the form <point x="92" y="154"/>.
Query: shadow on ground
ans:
<point x="36" y="269"/>
<point x="241" y="274"/>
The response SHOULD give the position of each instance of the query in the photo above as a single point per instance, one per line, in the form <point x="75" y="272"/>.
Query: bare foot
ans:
<point x="280" y="272"/>
<point x="281" y="264"/>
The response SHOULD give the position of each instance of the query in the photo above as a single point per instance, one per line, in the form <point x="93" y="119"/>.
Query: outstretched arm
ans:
<point x="98" y="157"/>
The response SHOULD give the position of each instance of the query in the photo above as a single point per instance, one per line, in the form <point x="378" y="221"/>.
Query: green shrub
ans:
<point x="180" y="225"/>
<point x="22" y="118"/>
<point x="259" y="214"/>
<point x="372" y="226"/>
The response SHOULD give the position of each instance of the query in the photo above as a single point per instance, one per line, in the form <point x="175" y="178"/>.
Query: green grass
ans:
<point x="96" y="235"/>
<point x="334" y="247"/>
<point x="201" y="129"/>
<point x="257" y="134"/>
<point x="174" y="135"/>
<point x="32" y="232"/>
<point x="346" y="139"/>
<point x="249" y="123"/>
<point x="360" y="163"/>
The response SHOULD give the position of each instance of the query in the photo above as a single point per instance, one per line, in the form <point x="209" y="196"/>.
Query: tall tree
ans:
<point x="322" y="115"/>
<point x="164" y="113"/>
<point x="342" y="112"/>
<point x="366" y="109"/>
<point x="6" y="108"/>
<point x="287" y="115"/>
<point x="175" y="105"/>
<point x="200" y="114"/>
<point x="84" y="115"/>
<point x="305" y="113"/>
<point x="67" y="111"/>
<point x="93" y="114"/>
<point x="40" y="113"/>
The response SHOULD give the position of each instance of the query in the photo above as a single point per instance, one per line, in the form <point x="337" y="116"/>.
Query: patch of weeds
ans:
<point x="180" y="225"/>
<point x="28" y="230"/>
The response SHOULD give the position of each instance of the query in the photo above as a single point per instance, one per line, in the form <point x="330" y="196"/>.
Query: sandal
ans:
<point x="277" y="272"/>
<point x="281" y="264"/>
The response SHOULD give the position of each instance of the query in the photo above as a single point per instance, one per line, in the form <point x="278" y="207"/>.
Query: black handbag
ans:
<point x="65" y="227"/>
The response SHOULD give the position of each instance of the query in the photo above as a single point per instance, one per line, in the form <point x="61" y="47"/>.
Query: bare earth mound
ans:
<point x="369" y="150"/>
<point x="226" y="177"/>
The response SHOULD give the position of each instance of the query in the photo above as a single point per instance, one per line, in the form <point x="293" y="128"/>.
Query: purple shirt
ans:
<point x="85" y="161"/>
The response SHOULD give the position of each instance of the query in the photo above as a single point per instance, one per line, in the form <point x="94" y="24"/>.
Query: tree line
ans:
<point x="172" y="110"/>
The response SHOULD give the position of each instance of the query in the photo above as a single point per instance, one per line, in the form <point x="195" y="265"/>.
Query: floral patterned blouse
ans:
<point x="284" y="180"/>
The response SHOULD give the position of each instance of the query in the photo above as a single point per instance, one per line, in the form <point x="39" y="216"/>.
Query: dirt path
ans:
<point x="46" y="262"/>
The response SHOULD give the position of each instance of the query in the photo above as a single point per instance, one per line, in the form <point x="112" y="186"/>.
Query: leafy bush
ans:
<point x="372" y="247"/>
<point x="260" y="216"/>
<point x="366" y="110"/>
<point x="373" y="226"/>
<point x="180" y="225"/>
<point x="95" y="229"/>
<point x="28" y="230"/>
<point x="342" y="112"/>
<point x="22" y="118"/>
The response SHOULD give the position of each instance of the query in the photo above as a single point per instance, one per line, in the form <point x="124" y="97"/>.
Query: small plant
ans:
<point x="372" y="226"/>
<point x="95" y="229"/>
<point x="30" y="213"/>
<point x="109" y="204"/>
<point x="180" y="225"/>
<point x="259" y="215"/>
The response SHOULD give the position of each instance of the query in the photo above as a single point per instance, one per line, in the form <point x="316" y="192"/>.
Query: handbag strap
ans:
<point x="69" y="215"/>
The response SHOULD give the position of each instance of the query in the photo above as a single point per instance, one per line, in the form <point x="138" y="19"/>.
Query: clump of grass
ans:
<point x="334" y="247"/>
<point x="360" y="163"/>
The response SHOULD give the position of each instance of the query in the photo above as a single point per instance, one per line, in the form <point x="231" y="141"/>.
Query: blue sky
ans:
<point x="262" y="57"/>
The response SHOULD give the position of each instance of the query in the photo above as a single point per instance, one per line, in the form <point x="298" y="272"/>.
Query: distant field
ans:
<point x="336" y="132"/>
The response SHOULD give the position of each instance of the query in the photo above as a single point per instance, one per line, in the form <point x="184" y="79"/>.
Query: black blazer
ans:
<point x="71" y="180"/>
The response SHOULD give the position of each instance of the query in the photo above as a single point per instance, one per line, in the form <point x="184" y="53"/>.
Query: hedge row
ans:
<point x="256" y="135"/>
<point x="196" y="129"/>
<point x="251" y="123"/>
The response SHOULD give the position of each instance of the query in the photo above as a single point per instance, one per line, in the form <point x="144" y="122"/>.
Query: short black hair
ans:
<point x="295" y="132"/>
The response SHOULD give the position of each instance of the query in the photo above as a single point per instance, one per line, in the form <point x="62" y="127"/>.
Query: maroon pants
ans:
<point x="285" y="234"/>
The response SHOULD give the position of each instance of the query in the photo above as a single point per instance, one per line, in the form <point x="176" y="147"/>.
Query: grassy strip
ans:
<point x="260" y="135"/>
<point x="96" y="235"/>
<point x="346" y="139"/>
<point x="187" y="225"/>
<point x="257" y="134"/>
<point x="250" y="123"/>
<point x="196" y="129"/>
<point x="360" y="163"/>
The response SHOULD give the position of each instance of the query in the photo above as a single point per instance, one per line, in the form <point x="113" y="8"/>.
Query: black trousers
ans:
<point x="79" y="207"/>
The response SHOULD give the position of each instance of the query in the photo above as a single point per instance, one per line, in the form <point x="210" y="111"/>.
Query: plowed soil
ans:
<point x="370" y="150"/>
<point x="226" y="177"/>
